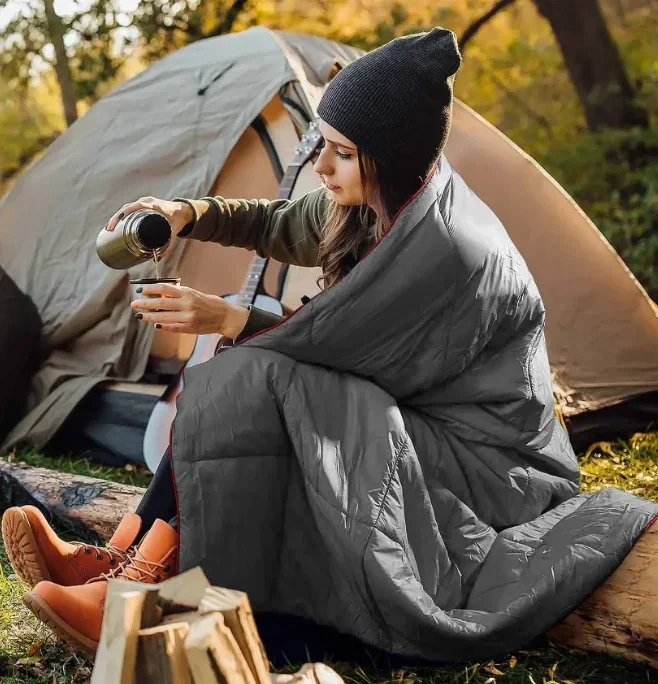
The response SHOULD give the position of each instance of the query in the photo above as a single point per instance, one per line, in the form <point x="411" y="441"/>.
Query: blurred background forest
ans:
<point x="573" y="82"/>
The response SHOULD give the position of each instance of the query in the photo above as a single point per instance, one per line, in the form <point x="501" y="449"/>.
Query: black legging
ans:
<point x="159" y="501"/>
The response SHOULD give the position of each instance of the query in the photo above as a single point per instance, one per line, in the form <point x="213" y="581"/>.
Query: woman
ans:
<point x="386" y="460"/>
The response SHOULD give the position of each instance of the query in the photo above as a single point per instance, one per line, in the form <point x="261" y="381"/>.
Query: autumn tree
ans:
<point x="590" y="56"/>
<point x="78" y="47"/>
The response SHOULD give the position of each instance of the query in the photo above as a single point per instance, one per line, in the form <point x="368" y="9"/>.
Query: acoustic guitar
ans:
<point x="158" y="430"/>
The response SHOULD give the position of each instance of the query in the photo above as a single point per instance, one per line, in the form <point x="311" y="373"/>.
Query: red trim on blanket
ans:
<point x="399" y="211"/>
<point x="651" y="522"/>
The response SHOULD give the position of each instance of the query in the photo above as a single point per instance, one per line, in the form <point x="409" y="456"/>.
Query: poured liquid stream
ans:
<point x="157" y="269"/>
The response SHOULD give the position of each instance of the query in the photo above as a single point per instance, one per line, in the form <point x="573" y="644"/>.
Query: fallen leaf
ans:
<point x="35" y="648"/>
<point x="129" y="467"/>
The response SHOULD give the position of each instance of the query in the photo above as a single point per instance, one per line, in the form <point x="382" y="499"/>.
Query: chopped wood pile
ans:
<point x="184" y="631"/>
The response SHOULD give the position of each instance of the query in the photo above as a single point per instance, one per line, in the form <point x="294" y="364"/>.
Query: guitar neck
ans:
<point x="251" y="283"/>
<point x="249" y="289"/>
<point x="288" y="182"/>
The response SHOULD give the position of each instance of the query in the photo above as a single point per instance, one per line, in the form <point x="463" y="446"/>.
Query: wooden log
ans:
<point x="117" y="648"/>
<point x="213" y="653"/>
<point x="89" y="508"/>
<point x="161" y="655"/>
<point x="238" y="617"/>
<point x="621" y="616"/>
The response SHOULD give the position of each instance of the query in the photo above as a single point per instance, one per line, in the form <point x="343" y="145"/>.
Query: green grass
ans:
<point x="28" y="653"/>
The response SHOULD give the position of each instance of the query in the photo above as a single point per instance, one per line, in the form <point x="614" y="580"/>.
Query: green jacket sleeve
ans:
<point x="286" y="230"/>
<point x="258" y="320"/>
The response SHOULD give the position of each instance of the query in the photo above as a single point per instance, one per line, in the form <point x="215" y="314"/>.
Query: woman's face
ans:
<point x="338" y="167"/>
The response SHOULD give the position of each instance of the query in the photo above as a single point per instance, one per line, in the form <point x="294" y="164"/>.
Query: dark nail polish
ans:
<point x="157" y="325"/>
<point x="120" y="216"/>
<point x="139" y="316"/>
<point x="139" y="289"/>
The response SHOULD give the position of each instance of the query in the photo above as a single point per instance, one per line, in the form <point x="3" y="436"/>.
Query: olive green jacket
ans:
<point x="285" y="230"/>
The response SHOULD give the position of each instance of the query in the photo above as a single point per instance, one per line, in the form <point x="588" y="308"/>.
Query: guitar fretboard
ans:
<point x="251" y="283"/>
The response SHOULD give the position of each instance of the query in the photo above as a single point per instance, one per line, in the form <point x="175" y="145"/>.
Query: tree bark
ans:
<point x="594" y="63"/>
<point x="62" y="69"/>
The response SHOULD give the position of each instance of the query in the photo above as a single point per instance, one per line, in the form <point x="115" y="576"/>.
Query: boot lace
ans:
<point x="112" y="551"/>
<point x="142" y="572"/>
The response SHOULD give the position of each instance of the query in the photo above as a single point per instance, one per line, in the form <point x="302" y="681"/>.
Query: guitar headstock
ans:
<point x="308" y="145"/>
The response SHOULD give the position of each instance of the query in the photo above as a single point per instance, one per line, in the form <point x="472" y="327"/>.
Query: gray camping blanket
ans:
<point x="387" y="460"/>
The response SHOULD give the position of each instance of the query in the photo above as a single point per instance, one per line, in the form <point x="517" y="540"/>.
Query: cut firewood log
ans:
<point x="161" y="655"/>
<point x="213" y="653"/>
<point x="86" y="506"/>
<point x="117" y="648"/>
<point x="178" y="594"/>
<point x="238" y="617"/>
<point x="620" y="617"/>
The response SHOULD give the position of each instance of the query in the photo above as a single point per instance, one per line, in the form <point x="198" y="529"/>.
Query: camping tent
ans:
<point x="223" y="116"/>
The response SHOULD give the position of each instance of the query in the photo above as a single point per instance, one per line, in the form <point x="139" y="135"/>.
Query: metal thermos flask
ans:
<point x="134" y="239"/>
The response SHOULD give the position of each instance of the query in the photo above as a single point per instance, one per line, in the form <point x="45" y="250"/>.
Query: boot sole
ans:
<point x="22" y="548"/>
<point x="61" y="629"/>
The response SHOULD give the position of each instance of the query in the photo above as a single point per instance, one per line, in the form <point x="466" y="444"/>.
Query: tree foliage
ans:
<point x="26" y="45"/>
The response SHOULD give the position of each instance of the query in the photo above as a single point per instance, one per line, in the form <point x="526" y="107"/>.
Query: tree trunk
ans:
<point x="56" y="30"/>
<point x="594" y="63"/>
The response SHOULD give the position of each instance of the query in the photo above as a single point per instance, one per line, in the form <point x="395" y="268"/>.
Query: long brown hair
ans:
<point x="350" y="231"/>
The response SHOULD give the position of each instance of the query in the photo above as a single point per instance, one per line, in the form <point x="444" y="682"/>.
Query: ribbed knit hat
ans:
<point x="395" y="102"/>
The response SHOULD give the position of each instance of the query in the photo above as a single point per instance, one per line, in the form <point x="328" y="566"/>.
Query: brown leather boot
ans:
<point x="37" y="553"/>
<point x="75" y="614"/>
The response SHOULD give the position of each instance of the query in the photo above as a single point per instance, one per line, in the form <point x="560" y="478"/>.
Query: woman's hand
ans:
<point x="189" y="311"/>
<point x="179" y="214"/>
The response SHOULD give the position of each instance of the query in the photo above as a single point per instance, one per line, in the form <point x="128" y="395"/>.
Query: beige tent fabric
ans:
<point x="167" y="132"/>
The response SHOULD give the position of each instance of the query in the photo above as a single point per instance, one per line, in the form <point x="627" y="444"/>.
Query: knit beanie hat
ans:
<point x="395" y="102"/>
